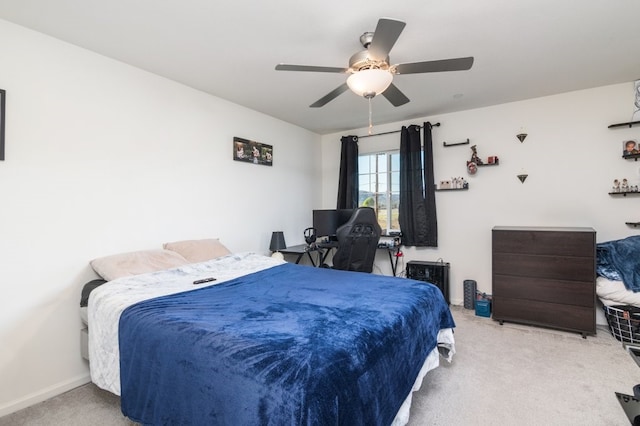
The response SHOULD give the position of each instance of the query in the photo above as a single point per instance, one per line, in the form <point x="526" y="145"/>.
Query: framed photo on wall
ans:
<point x="3" y="94"/>
<point x="252" y="152"/>
<point x="630" y="147"/>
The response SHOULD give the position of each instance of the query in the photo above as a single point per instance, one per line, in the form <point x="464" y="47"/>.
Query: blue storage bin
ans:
<point x="483" y="308"/>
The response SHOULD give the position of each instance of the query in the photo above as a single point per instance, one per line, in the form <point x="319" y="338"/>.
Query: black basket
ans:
<point x="624" y="322"/>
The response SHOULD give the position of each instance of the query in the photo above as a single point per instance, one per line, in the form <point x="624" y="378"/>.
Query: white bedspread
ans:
<point x="107" y="302"/>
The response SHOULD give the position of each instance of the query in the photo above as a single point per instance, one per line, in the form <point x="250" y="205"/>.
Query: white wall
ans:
<point x="103" y="158"/>
<point x="570" y="155"/>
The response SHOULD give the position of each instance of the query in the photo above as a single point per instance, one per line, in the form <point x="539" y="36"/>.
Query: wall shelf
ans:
<point x="627" y="124"/>
<point x="453" y="189"/>
<point x="633" y="157"/>
<point x="634" y="224"/>
<point x="488" y="164"/>
<point x="624" y="193"/>
<point x="446" y="145"/>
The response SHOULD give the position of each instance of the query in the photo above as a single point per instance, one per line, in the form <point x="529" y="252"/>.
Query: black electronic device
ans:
<point x="204" y="280"/>
<point x="327" y="222"/>
<point x="432" y="272"/>
<point x="310" y="235"/>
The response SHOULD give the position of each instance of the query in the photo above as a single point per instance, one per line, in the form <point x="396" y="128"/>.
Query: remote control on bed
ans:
<point x="204" y="280"/>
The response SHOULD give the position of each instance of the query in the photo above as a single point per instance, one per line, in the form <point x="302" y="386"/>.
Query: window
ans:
<point x="379" y="186"/>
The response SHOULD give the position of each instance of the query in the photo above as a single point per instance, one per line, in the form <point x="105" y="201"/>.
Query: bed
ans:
<point x="618" y="271"/>
<point x="267" y="342"/>
<point x="614" y="292"/>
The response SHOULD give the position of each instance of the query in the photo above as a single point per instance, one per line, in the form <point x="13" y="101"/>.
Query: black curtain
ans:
<point x="430" y="188"/>
<point x="417" y="209"/>
<point x="348" y="180"/>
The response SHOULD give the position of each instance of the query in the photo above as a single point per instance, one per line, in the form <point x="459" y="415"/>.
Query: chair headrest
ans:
<point x="364" y="215"/>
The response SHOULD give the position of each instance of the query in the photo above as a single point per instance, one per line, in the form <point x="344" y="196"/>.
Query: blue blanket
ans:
<point x="288" y="345"/>
<point x="619" y="260"/>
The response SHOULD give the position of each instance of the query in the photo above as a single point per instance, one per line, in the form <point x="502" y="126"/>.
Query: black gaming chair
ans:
<point x="358" y="241"/>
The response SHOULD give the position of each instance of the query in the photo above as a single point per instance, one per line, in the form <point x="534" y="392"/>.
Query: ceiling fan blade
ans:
<point x="286" y="67"/>
<point x="385" y="36"/>
<point x="456" y="64"/>
<point x="330" y="96"/>
<point x="395" y="96"/>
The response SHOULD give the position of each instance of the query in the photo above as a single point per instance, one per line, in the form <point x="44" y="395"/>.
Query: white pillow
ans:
<point x="198" y="250"/>
<point x="135" y="263"/>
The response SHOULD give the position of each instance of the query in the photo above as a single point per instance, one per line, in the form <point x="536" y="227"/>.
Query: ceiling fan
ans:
<point x="371" y="72"/>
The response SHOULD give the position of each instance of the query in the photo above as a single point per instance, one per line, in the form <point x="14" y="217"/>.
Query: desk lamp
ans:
<point x="277" y="244"/>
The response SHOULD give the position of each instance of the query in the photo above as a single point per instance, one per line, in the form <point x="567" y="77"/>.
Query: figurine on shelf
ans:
<point x="458" y="182"/>
<point x="625" y="185"/>
<point x="474" y="156"/>
<point x="616" y="185"/>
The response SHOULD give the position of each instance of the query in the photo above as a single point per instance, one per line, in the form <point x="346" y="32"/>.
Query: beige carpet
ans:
<point x="501" y="375"/>
<point x="522" y="375"/>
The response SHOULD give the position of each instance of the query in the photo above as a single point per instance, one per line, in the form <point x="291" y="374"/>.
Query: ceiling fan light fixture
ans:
<point x="369" y="82"/>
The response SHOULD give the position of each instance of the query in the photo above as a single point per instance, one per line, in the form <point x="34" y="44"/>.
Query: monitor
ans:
<point x="326" y="222"/>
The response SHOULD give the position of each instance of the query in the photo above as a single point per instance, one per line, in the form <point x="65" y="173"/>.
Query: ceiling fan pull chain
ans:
<point x="370" y="120"/>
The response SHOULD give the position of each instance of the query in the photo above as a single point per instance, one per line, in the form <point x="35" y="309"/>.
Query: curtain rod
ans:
<point x="392" y="131"/>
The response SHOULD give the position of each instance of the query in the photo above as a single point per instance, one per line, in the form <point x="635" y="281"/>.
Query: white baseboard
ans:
<point x="456" y="302"/>
<point x="44" y="394"/>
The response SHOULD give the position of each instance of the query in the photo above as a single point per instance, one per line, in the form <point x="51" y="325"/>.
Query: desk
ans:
<point x="393" y="256"/>
<point x="322" y="249"/>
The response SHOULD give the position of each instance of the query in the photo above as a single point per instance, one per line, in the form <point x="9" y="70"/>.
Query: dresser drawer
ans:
<point x="544" y="266"/>
<point x="557" y="243"/>
<point x="545" y="276"/>
<point x="579" y="293"/>
<point x="567" y="317"/>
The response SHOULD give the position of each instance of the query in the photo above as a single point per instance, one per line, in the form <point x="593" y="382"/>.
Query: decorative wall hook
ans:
<point x="522" y="177"/>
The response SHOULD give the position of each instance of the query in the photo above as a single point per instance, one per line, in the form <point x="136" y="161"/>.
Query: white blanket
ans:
<point x="107" y="302"/>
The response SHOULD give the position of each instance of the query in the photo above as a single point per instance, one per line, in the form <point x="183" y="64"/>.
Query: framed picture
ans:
<point x="252" y="152"/>
<point x="2" y="106"/>
<point x="630" y="147"/>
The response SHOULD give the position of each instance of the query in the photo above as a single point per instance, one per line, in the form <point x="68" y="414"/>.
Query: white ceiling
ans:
<point x="523" y="49"/>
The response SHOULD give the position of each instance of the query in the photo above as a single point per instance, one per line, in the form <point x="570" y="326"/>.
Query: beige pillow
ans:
<point x="198" y="250"/>
<point x="135" y="263"/>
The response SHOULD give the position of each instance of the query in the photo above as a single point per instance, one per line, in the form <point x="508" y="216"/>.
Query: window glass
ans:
<point x="363" y="164"/>
<point x="395" y="162"/>
<point x="364" y="183"/>
<point x="379" y="186"/>
<point x="395" y="181"/>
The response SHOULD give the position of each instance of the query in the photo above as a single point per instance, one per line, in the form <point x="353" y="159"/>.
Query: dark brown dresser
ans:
<point x="545" y="276"/>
